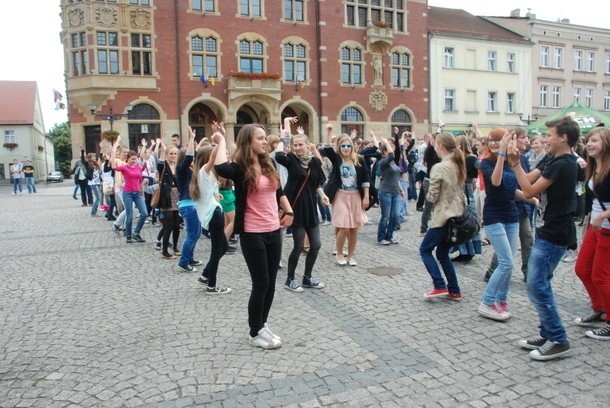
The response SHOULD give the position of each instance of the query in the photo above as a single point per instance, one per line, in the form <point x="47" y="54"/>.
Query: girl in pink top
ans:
<point x="132" y="192"/>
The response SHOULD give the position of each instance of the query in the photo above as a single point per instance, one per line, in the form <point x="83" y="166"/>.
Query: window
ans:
<point x="577" y="94"/>
<point x="558" y="57"/>
<point x="402" y="120"/>
<point x="510" y="102"/>
<point x="351" y="66"/>
<point x="295" y="62"/>
<point x="141" y="54"/>
<point x="510" y="62"/>
<point x="250" y="8"/>
<point x="80" y="57"/>
<point x="361" y="13"/>
<point x="352" y="118"/>
<point x="449" y="57"/>
<point x="607" y="63"/>
<point x="204" y="56"/>
<point x="577" y="60"/>
<point x="491" y="60"/>
<point x="251" y="56"/>
<point x="107" y="52"/>
<point x="449" y="100"/>
<point x="544" y="56"/>
<point x="607" y="100"/>
<point x="401" y="70"/>
<point x="204" y="5"/>
<point x="556" y="96"/>
<point x="590" y="61"/>
<point x="140" y="2"/>
<point x="544" y="92"/>
<point x="294" y="10"/>
<point x="9" y="136"/>
<point x="492" y="102"/>
<point x="589" y="97"/>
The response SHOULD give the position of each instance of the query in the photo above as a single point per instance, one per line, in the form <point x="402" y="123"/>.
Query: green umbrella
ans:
<point x="587" y="118"/>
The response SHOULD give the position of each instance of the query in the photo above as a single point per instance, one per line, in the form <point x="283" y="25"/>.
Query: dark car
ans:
<point x="55" y="177"/>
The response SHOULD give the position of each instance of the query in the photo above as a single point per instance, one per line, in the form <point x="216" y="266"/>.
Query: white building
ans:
<point x="22" y="130"/>
<point x="479" y="72"/>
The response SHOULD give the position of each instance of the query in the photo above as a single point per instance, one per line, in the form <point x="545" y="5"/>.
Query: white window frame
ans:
<point x="449" y="100"/>
<point x="589" y="97"/>
<point x="590" y="61"/>
<point x="510" y="102"/>
<point x="544" y="56"/>
<point x="577" y="94"/>
<point x="511" y="58"/>
<point x="558" y="57"/>
<point x="556" y="99"/>
<point x="260" y="4"/>
<point x="544" y="96"/>
<point x="578" y="54"/>
<point x="9" y="136"/>
<point x="492" y="102"/>
<point x="607" y="63"/>
<point x="492" y="61"/>
<point x="449" y="57"/>
<point x="607" y="100"/>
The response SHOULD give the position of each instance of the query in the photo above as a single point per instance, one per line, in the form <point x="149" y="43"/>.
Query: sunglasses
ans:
<point x="346" y="146"/>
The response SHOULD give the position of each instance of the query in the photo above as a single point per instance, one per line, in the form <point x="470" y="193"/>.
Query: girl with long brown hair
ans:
<point x="446" y="192"/>
<point x="258" y="191"/>
<point x="592" y="265"/>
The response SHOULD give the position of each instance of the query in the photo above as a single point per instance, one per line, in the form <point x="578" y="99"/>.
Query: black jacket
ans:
<point x="363" y="174"/>
<point x="167" y="181"/>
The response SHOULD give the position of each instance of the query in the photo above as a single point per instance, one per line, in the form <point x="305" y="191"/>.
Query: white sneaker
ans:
<point x="293" y="285"/>
<point x="492" y="312"/>
<point x="275" y="336"/>
<point x="570" y="256"/>
<point x="325" y="223"/>
<point x="265" y="340"/>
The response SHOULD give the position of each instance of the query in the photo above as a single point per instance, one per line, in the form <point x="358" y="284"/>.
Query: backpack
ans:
<point x="412" y="157"/>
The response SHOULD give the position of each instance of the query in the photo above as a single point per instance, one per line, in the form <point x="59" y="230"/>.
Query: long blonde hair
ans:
<point x="245" y="158"/>
<point x="604" y="168"/>
<point x="447" y="140"/>
<point x="353" y="156"/>
<point x="202" y="157"/>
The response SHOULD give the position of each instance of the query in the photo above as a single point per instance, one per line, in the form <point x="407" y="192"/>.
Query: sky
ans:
<point x="32" y="51"/>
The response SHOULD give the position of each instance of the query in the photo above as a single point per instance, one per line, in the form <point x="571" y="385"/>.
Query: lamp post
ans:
<point x="110" y="116"/>
<point x="529" y="120"/>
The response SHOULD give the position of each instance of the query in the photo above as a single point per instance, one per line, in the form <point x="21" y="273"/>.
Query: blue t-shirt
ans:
<point x="500" y="201"/>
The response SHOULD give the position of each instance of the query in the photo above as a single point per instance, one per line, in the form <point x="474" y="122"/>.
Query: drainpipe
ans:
<point x="178" y="68"/>
<point x="319" y="53"/>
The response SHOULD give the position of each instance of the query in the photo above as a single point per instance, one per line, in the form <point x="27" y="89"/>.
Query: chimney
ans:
<point x="530" y="15"/>
<point x="515" y="13"/>
<point x="565" y="20"/>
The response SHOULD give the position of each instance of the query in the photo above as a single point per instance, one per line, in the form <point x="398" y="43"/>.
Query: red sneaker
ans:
<point x="455" y="296"/>
<point x="436" y="293"/>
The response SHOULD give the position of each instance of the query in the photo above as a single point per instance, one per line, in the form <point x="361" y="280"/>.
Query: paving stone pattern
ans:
<point x="89" y="321"/>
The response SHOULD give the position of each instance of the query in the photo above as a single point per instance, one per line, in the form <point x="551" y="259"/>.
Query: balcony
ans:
<point x="239" y="87"/>
<point x="379" y="37"/>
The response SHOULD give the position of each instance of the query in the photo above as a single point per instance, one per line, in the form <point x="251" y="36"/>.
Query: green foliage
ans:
<point x="60" y="136"/>
<point x="59" y="130"/>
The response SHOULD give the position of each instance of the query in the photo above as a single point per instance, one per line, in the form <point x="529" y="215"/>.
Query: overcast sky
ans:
<point x="31" y="50"/>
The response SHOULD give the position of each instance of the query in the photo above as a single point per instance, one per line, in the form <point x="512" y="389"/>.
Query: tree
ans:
<point x="62" y="144"/>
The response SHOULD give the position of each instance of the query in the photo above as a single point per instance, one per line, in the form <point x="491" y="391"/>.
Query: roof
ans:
<point x="17" y="102"/>
<point x="461" y="23"/>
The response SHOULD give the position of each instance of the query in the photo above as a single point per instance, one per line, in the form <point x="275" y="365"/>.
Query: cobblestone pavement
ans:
<point x="86" y="320"/>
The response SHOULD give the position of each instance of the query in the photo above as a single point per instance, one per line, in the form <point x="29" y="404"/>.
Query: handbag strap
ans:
<point x="296" y="199"/>
<point x="601" y="203"/>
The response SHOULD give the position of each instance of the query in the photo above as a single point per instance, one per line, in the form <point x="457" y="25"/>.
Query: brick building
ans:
<point x="160" y="66"/>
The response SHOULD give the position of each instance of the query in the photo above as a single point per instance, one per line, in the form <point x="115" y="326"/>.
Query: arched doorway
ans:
<point x="200" y="118"/>
<point x="402" y="120"/>
<point x="251" y="113"/>
<point x="304" y="120"/>
<point x="144" y="121"/>
<point x="352" y="118"/>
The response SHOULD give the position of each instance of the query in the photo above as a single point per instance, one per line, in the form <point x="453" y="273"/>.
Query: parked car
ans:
<point x="55" y="177"/>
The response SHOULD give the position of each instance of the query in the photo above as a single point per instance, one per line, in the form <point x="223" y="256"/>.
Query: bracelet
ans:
<point x="290" y="214"/>
<point x="502" y="154"/>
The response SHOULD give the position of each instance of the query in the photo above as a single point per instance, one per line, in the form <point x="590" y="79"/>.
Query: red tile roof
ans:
<point x="17" y="102"/>
<point x="461" y="23"/>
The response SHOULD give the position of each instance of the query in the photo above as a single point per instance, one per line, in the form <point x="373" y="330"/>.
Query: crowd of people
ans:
<point x="525" y="192"/>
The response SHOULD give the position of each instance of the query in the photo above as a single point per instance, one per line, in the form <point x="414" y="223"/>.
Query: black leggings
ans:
<point x="262" y="252"/>
<point x="219" y="245"/>
<point x="171" y="224"/>
<point x="298" y="237"/>
<point x="86" y="194"/>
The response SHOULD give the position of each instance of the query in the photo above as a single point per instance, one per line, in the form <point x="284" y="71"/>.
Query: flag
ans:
<point x="203" y="80"/>
<point x="58" y="97"/>
<point x="212" y="81"/>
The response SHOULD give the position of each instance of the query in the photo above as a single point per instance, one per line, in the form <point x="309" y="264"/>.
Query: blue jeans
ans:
<point x="16" y="183"/>
<point x="31" y="184"/>
<point x="390" y="208"/>
<point x="543" y="260"/>
<point x="192" y="226"/>
<point x="504" y="239"/>
<point x="95" y="189"/>
<point x="412" y="191"/>
<point x="129" y="199"/>
<point x="437" y="238"/>
<point x="404" y="200"/>
<point x="324" y="210"/>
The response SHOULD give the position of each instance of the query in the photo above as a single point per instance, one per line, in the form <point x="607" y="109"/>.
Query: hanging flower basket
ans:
<point x="10" y="146"/>
<point x="382" y="24"/>
<point x="40" y="148"/>
<point x="110" y="135"/>
<point x="253" y="75"/>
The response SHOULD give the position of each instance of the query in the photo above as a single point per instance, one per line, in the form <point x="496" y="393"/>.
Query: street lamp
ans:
<point x="110" y="116"/>
<point x="529" y="119"/>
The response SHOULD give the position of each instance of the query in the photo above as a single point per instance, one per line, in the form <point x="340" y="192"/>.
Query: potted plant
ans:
<point x="382" y="24"/>
<point x="40" y="148"/>
<point x="110" y="135"/>
<point x="10" y="146"/>
<point x="254" y="75"/>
